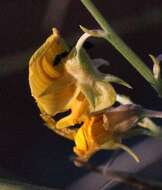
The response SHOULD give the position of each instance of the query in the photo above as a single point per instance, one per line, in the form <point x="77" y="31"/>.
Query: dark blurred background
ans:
<point x="28" y="150"/>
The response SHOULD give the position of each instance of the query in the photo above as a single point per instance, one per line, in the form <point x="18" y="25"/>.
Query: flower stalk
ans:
<point x="121" y="46"/>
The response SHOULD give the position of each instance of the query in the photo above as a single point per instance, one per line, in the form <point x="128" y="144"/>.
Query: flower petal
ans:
<point x="51" y="86"/>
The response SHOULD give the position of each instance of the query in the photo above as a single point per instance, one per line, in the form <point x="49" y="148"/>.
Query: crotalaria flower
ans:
<point x="71" y="84"/>
<point x="106" y="130"/>
<point x="76" y="87"/>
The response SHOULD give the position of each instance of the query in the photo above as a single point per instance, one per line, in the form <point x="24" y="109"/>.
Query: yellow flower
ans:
<point x="75" y="85"/>
<point x="71" y="84"/>
<point x="105" y="131"/>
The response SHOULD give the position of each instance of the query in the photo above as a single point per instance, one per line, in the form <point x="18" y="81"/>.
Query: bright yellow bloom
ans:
<point x="105" y="131"/>
<point x="74" y="85"/>
<point x="67" y="85"/>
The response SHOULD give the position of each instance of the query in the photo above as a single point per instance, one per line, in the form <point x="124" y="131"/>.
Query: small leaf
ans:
<point x="130" y="152"/>
<point x="151" y="126"/>
<point x="100" y="62"/>
<point x="122" y="99"/>
<point x="98" y="33"/>
<point x="115" y="145"/>
<point x="111" y="78"/>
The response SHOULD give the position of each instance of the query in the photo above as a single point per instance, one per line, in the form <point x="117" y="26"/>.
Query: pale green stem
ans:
<point x="120" y="45"/>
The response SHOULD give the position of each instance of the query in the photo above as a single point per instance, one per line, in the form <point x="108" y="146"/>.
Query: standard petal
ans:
<point x="51" y="86"/>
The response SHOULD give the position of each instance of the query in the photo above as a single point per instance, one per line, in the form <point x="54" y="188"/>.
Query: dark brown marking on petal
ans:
<point x="61" y="115"/>
<point x="59" y="57"/>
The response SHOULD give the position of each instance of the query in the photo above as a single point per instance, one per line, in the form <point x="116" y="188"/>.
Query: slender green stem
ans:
<point x="120" y="45"/>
